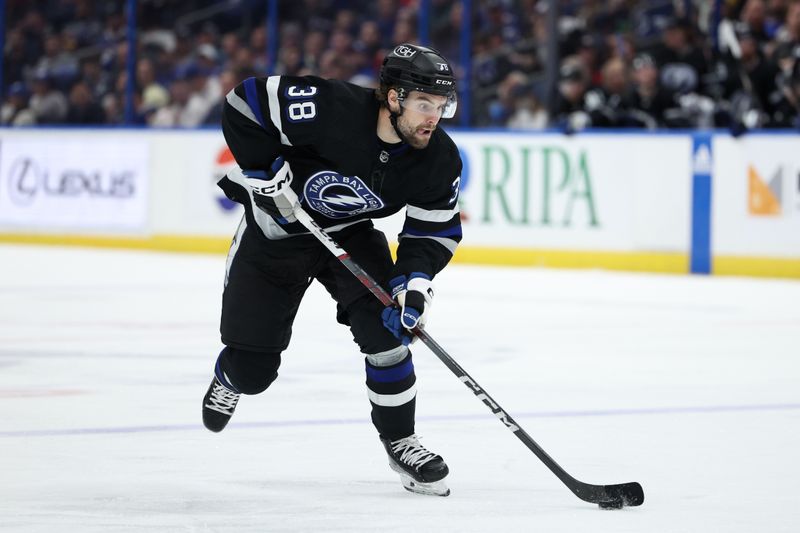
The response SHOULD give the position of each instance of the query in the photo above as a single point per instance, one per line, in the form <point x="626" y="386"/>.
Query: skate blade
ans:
<point x="434" y="488"/>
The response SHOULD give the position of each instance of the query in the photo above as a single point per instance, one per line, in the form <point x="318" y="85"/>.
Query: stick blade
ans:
<point x="609" y="496"/>
<point x="631" y="494"/>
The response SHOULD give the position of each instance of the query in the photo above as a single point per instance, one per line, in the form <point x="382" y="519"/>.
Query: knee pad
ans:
<point x="247" y="372"/>
<point x="389" y="357"/>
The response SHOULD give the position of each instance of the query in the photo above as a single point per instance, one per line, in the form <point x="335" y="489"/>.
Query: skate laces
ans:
<point x="411" y="452"/>
<point x="222" y="399"/>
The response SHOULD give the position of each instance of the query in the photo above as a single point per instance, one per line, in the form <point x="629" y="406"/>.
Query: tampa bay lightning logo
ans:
<point x="337" y="196"/>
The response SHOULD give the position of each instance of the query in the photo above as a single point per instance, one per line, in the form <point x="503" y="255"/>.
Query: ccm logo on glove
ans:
<point x="272" y="191"/>
<point x="414" y="296"/>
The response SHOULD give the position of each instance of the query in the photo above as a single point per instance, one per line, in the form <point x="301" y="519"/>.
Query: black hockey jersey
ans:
<point x="343" y="173"/>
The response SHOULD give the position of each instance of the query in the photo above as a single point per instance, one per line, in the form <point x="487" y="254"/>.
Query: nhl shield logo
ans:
<point x="404" y="51"/>
<point x="337" y="196"/>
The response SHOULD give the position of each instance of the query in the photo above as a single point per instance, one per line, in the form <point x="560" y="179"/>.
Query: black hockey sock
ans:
<point x="392" y="393"/>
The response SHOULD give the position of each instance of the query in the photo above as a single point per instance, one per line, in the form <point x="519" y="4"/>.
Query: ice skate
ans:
<point x="420" y="470"/>
<point x="218" y="405"/>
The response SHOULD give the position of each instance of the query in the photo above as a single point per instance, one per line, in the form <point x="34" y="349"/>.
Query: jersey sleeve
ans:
<point x="263" y="117"/>
<point x="432" y="228"/>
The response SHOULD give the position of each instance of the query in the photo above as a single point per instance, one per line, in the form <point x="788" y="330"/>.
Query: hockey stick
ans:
<point x="607" y="496"/>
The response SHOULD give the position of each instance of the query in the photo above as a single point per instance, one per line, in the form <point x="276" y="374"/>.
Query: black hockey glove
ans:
<point x="414" y="296"/>
<point x="272" y="191"/>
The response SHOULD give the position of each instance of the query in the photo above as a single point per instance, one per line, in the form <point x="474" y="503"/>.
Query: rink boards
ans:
<point x="669" y="202"/>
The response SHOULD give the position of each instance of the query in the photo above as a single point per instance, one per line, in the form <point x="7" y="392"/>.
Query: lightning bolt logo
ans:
<point x="338" y="196"/>
<point x="342" y="200"/>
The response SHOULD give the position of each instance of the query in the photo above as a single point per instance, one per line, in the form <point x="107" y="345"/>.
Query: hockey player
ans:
<point x="346" y="155"/>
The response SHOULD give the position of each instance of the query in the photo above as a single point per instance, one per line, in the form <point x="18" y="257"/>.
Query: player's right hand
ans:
<point x="272" y="191"/>
<point x="414" y="296"/>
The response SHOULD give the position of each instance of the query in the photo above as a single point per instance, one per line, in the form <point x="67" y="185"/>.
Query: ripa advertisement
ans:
<point x="589" y="192"/>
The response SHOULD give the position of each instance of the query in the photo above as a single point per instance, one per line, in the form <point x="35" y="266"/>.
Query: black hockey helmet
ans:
<point x="409" y="67"/>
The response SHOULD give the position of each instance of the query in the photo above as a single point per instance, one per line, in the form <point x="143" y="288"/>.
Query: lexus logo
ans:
<point x="27" y="180"/>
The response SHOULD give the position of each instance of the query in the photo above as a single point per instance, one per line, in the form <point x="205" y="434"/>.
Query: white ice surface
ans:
<point x="689" y="385"/>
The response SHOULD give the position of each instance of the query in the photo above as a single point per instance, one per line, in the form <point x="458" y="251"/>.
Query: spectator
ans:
<point x="230" y="43"/>
<point x="258" y="50"/>
<point x="17" y="56"/>
<point x="606" y="106"/>
<point x="786" y="113"/>
<point x="369" y="43"/>
<point x="788" y="36"/>
<point x="384" y="14"/>
<point x="83" y="108"/>
<point x="290" y="62"/>
<point x="346" y="21"/>
<point x="204" y="91"/>
<point x="681" y="63"/>
<point x="48" y="104"/>
<point x="569" y="114"/>
<point x="333" y="66"/>
<point x="15" y="111"/>
<point x="529" y="111"/>
<point x="84" y="25"/>
<point x="754" y="15"/>
<point x="172" y="115"/>
<point x="759" y="91"/>
<point x="95" y="77"/>
<point x="648" y="100"/>
<point x="504" y="106"/>
<point x="113" y="109"/>
<point x="60" y="65"/>
<point x="314" y="45"/>
<point x="229" y="79"/>
<point x="151" y="92"/>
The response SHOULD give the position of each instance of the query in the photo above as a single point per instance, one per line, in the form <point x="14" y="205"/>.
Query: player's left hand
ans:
<point x="272" y="190"/>
<point x="414" y="296"/>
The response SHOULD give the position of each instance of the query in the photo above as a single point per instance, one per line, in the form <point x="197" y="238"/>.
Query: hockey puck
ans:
<point x="613" y="504"/>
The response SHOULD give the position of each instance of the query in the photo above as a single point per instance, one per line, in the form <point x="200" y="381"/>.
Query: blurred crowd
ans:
<point x="622" y="63"/>
<point x="731" y="64"/>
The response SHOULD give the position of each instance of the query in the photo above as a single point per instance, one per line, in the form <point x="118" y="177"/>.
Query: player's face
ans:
<point x="421" y="115"/>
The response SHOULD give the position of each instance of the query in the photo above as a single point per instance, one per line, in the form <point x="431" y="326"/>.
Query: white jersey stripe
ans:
<point x="241" y="106"/>
<point x="450" y="244"/>
<point x="275" y="107"/>
<point x="392" y="400"/>
<point x="432" y="215"/>
<point x="237" y="239"/>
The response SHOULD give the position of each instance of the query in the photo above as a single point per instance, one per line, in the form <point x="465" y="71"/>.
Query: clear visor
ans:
<point x="431" y="105"/>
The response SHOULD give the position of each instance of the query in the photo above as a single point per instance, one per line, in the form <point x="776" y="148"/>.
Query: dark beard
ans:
<point x="410" y="138"/>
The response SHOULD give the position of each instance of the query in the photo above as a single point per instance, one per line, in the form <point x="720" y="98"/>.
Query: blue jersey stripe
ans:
<point x="449" y="232"/>
<point x="392" y="374"/>
<point x="252" y="99"/>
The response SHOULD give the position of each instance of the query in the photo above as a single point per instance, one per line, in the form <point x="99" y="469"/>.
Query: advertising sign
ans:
<point x="756" y="206"/>
<point x="199" y="165"/>
<point x="595" y="192"/>
<point x="63" y="182"/>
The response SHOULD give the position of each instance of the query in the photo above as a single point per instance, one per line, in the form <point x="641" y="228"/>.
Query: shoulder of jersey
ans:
<point x="446" y="149"/>
<point x="334" y="94"/>
<point x="336" y="102"/>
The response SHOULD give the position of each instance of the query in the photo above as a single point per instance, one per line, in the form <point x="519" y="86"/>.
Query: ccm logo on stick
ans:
<point x="499" y="413"/>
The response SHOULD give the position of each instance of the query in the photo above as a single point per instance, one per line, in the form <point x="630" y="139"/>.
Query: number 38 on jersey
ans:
<point x="301" y="105"/>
